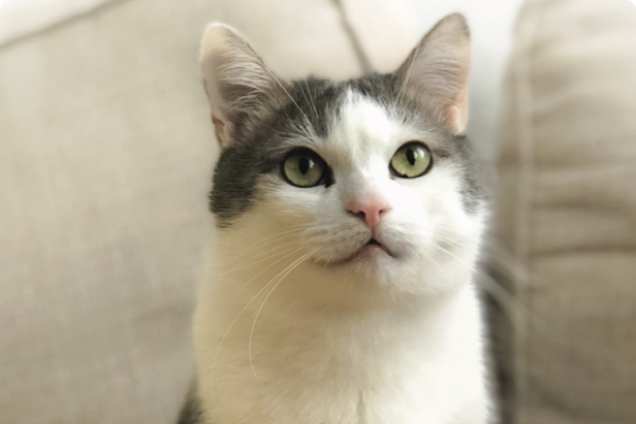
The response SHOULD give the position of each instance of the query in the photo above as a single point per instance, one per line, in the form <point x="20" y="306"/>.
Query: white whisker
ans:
<point x="253" y="261"/>
<point x="463" y="262"/>
<point x="265" y="269"/>
<point x="290" y="232"/>
<point x="439" y="267"/>
<point x="510" y="306"/>
<point x="218" y="350"/>
<point x="280" y="84"/>
<point x="311" y="101"/>
<point x="286" y="271"/>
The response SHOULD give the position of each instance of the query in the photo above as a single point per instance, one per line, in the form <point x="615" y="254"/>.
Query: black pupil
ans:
<point x="304" y="164"/>
<point x="410" y="156"/>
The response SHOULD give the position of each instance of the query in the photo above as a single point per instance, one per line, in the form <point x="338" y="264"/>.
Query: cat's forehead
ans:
<point x="364" y="126"/>
<point x="360" y="117"/>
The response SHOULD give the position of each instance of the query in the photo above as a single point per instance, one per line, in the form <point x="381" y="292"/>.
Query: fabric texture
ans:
<point x="19" y="18"/>
<point x="106" y="152"/>
<point x="567" y="212"/>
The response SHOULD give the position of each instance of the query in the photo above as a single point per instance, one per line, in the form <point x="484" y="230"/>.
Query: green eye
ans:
<point x="411" y="160"/>
<point x="304" y="168"/>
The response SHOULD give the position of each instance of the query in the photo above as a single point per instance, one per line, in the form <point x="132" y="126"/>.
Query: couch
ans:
<point x="105" y="164"/>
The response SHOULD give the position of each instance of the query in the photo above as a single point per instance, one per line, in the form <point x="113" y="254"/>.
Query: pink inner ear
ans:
<point x="456" y="116"/>
<point x="219" y="131"/>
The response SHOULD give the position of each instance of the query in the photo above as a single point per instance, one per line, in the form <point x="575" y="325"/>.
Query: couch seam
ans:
<point x="354" y="39"/>
<point x="60" y="23"/>
<point x="525" y="152"/>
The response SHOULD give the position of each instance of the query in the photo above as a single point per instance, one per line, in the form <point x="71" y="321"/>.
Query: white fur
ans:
<point x="380" y="341"/>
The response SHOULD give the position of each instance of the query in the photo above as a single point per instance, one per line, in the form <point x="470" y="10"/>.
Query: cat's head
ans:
<point x="368" y="178"/>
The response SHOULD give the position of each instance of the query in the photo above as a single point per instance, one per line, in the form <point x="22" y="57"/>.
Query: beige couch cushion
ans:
<point x="19" y="18"/>
<point x="105" y="162"/>
<point x="567" y="210"/>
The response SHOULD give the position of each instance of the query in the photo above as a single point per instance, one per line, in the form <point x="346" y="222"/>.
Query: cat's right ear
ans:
<point x="239" y="86"/>
<point x="436" y="73"/>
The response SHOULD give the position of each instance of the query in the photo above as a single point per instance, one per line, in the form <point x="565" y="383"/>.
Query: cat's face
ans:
<point x="357" y="178"/>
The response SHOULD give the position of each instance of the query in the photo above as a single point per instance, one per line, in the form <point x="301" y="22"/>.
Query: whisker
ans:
<point x="498" y="292"/>
<point x="253" y="261"/>
<point x="505" y="262"/>
<point x="463" y="262"/>
<point x="269" y="240"/>
<point x="265" y="269"/>
<point x="286" y="271"/>
<point x="280" y="84"/>
<point x="311" y="100"/>
<point x="439" y="267"/>
<point x="497" y="255"/>
<point x="218" y="349"/>
<point x="449" y="240"/>
<point x="513" y="309"/>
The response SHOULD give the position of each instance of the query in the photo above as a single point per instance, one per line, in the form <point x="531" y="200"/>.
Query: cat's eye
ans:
<point x="304" y="168"/>
<point x="411" y="160"/>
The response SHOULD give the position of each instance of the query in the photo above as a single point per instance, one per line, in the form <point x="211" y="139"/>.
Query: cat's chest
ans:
<point x="343" y="395"/>
<point x="334" y="393"/>
<point x="345" y="374"/>
<point x="297" y="367"/>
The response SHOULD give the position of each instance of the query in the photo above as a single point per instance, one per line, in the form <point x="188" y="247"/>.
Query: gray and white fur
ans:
<point x="351" y="300"/>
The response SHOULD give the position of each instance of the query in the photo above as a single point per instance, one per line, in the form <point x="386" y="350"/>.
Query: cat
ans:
<point x="349" y="217"/>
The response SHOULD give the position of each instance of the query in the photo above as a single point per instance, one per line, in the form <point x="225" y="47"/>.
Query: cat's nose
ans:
<point x="370" y="213"/>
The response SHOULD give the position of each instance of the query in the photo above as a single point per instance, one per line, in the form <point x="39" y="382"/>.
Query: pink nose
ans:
<point x="371" y="212"/>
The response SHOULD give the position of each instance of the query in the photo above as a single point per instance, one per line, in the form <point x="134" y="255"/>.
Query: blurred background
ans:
<point x="106" y="152"/>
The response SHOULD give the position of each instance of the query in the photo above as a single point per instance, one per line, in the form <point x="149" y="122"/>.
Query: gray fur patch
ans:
<point x="318" y="101"/>
<point x="259" y="152"/>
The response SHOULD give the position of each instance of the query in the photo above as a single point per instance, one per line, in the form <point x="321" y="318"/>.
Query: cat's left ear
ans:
<point x="436" y="72"/>
<point x="240" y="88"/>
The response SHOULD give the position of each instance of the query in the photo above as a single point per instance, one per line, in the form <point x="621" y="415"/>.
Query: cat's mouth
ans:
<point x="372" y="249"/>
<point x="373" y="244"/>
